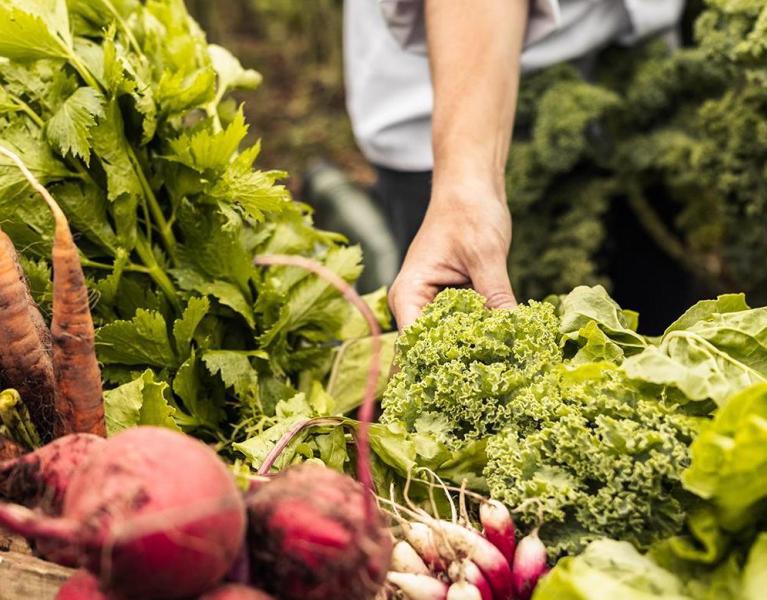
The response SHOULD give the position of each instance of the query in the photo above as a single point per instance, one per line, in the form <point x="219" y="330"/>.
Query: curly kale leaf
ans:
<point x="462" y="364"/>
<point x="592" y="457"/>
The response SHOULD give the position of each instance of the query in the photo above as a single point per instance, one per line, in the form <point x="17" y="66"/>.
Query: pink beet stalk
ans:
<point x="498" y="527"/>
<point x="418" y="587"/>
<point x="529" y="565"/>
<point x="368" y="403"/>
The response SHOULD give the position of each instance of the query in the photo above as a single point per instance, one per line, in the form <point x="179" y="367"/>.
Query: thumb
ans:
<point x="407" y="299"/>
<point x="492" y="281"/>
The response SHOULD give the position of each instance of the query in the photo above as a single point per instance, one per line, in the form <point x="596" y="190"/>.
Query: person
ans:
<point x="431" y="92"/>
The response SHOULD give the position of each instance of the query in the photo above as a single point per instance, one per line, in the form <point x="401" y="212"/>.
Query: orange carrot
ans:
<point x="78" y="400"/>
<point x="25" y="344"/>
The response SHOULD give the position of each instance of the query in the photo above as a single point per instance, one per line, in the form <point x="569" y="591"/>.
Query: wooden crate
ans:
<point x="26" y="577"/>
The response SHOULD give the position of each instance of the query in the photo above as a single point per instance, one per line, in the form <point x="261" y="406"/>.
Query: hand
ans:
<point x="464" y="240"/>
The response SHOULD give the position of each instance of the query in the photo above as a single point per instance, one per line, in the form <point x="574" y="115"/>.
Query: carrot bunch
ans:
<point x="54" y="370"/>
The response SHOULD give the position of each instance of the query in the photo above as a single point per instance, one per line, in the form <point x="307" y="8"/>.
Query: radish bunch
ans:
<point x="443" y="560"/>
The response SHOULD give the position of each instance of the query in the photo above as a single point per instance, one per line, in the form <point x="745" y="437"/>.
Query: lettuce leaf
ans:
<point x="608" y="570"/>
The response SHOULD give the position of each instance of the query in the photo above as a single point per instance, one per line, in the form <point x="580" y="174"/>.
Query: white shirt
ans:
<point x="388" y="87"/>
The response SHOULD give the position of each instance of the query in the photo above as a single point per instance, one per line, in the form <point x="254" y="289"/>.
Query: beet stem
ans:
<point x="364" y="472"/>
<point x="288" y="436"/>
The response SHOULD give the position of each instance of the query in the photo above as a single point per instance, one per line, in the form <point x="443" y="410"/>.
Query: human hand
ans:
<point x="464" y="240"/>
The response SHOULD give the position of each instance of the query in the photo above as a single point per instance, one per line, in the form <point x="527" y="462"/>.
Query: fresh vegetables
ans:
<point x="78" y="402"/>
<point x="26" y="364"/>
<point x="498" y="527"/>
<point x="42" y="478"/>
<point x="122" y="111"/>
<point x="310" y="537"/>
<point x="154" y="513"/>
<point x="562" y="439"/>
<point x="529" y="565"/>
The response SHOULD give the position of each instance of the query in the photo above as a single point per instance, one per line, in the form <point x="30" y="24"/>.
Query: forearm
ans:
<point x="474" y="50"/>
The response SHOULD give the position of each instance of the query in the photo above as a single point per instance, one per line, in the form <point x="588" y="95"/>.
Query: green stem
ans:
<point x="82" y="70"/>
<point x="124" y="26"/>
<point x="154" y="270"/>
<point x="86" y="262"/>
<point x="28" y="111"/>
<point x="166" y="233"/>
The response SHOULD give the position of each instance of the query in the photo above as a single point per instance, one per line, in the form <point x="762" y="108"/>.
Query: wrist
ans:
<point x="465" y="185"/>
<point x="482" y="165"/>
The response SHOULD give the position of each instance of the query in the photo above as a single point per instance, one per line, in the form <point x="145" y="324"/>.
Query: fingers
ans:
<point x="492" y="281"/>
<point x="407" y="298"/>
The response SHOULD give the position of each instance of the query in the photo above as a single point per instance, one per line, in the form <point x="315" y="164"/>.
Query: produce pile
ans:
<point x="550" y="451"/>
<point x="603" y="443"/>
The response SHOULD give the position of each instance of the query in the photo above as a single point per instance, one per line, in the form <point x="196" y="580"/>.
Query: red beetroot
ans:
<point x="154" y="513"/>
<point x="315" y="533"/>
<point x="40" y="478"/>
<point x="235" y="591"/>
<point x="81" y="586"/>
<point x="310" y="539"/>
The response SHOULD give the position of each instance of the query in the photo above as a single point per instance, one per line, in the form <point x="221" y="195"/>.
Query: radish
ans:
<point x="498" y="527"/>
<point x="154" y="513"/>
<point x="463" y="590"/>
<point x="41" y="478"/>
<point x="81" y="586"/>
<point x="529" y="565"/>
<point x="421" y="538"/>
<point x="235" y="591"/>
<point x="467" y="543"/>
<point x="315" y="533"/>
<point x="418" y="587"/>
<point x="405" y="559"/>
<point x="467" y="571"/>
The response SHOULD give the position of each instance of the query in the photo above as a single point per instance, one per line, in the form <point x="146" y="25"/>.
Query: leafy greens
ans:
<point x="121" y="108"/>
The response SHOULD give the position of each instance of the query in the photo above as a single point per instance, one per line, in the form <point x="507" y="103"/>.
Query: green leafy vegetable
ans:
<point x="609" y="570"/>
<point x="119" y="108"/>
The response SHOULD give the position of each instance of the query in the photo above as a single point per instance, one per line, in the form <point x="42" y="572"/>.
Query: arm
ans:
<point x="474" y="50"/>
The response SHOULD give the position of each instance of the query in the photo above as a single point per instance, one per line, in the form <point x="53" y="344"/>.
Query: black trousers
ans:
<point x="403" y="197"/>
